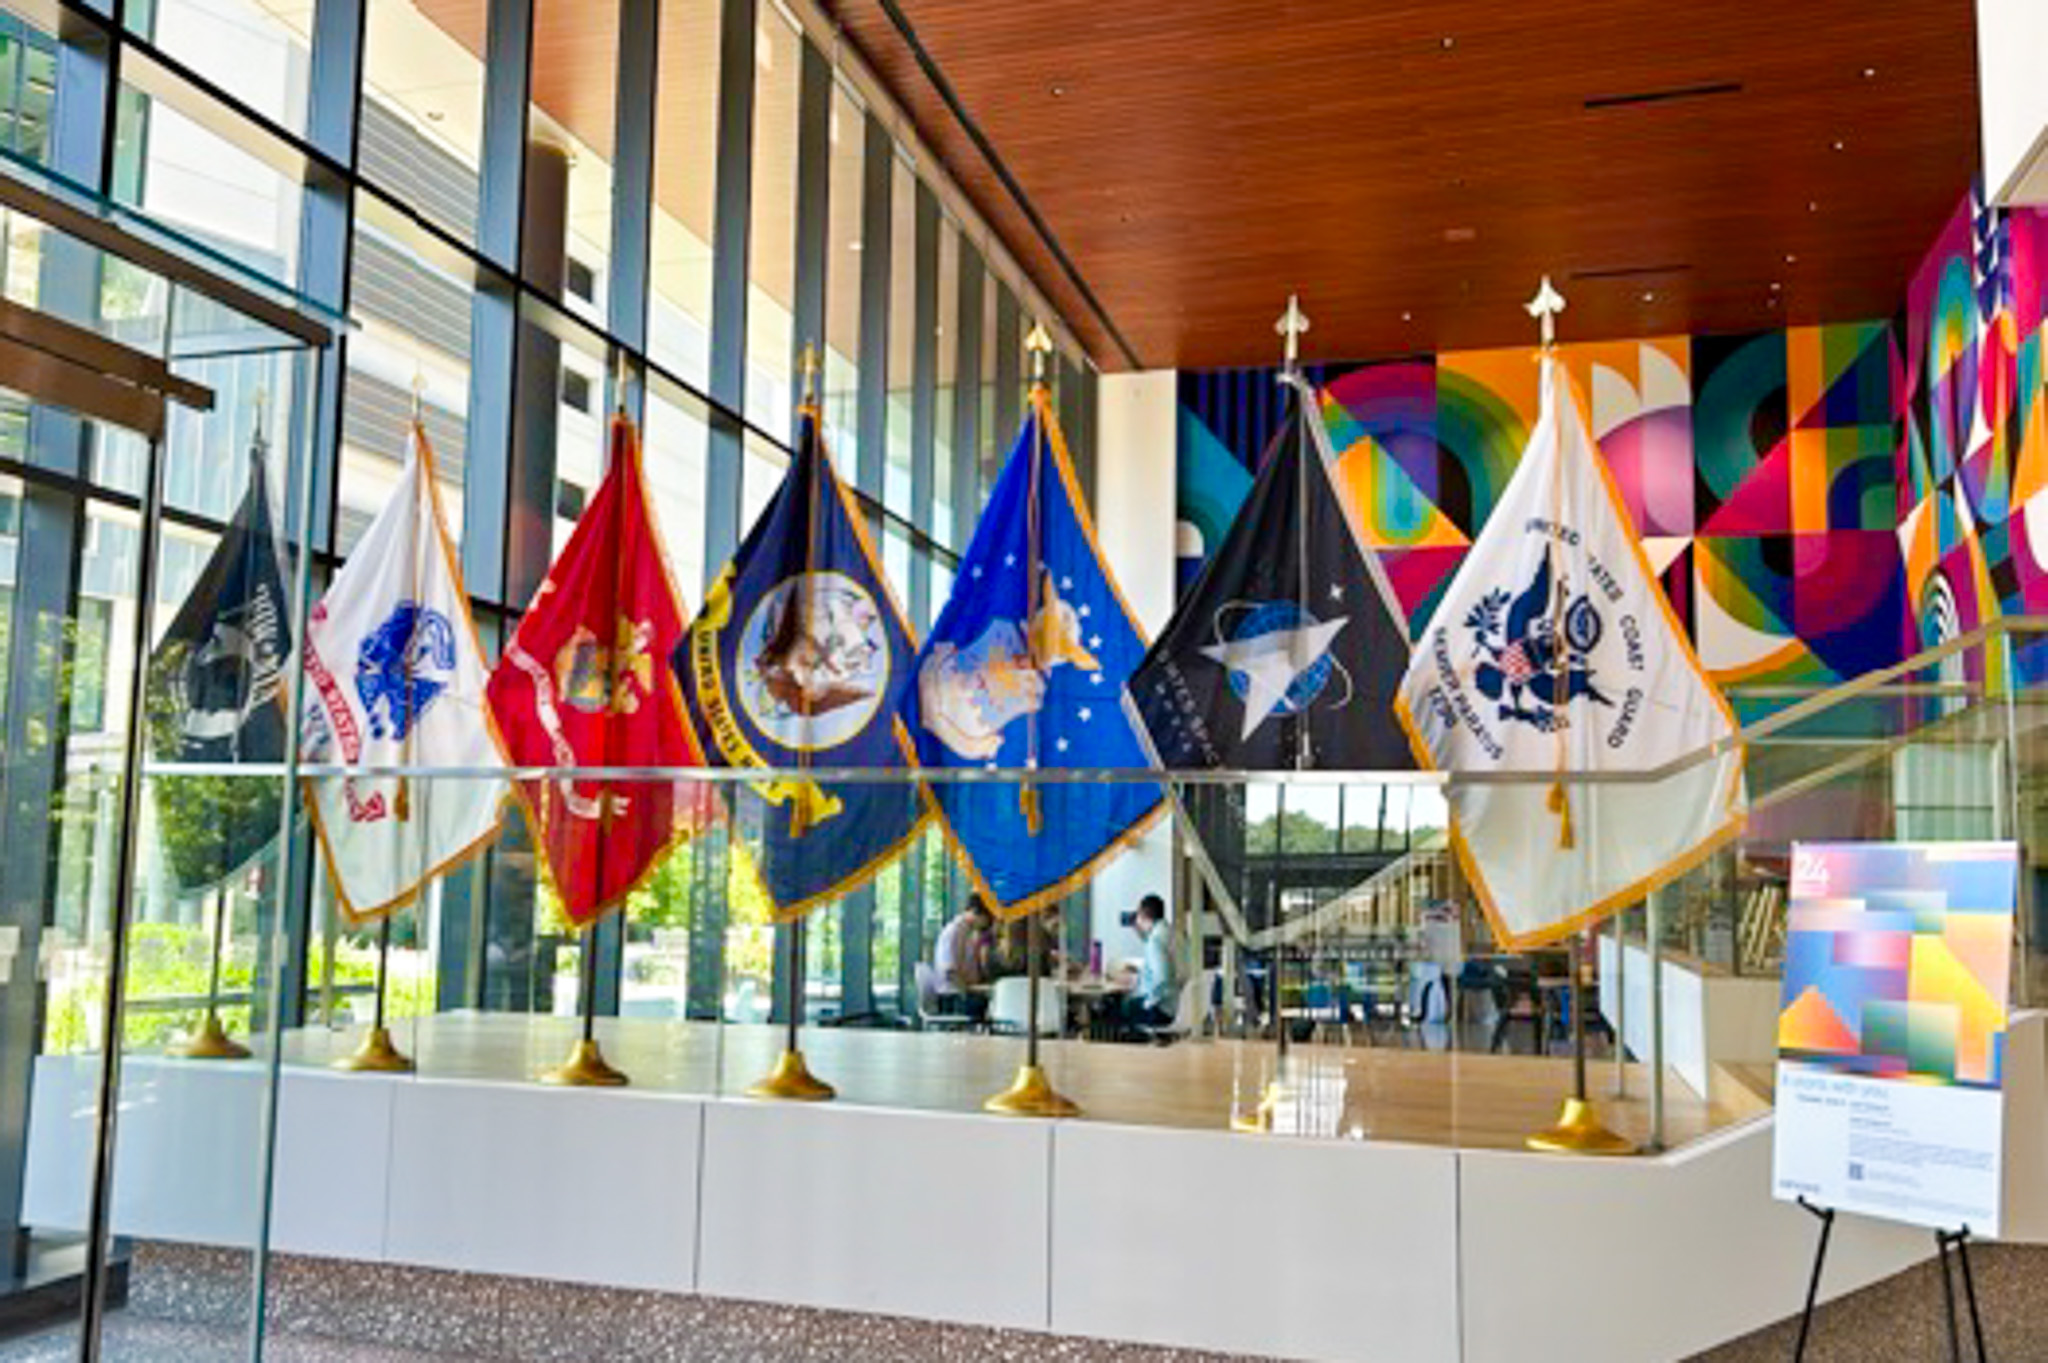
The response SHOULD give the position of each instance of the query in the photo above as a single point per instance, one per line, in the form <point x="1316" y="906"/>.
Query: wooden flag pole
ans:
<point x="1031" y="1093"/>
<point x="791" y="1080"/>
<point x="586" y="1066"/>
<point x="1578" y="1129"/>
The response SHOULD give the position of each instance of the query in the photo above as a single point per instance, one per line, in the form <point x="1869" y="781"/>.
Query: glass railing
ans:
<point x="1321" y="931"/>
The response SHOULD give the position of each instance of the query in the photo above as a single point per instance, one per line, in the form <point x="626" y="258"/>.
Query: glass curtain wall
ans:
<point x="507" y="200"/>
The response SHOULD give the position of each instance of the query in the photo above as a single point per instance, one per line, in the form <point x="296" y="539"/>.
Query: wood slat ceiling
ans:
<point x="1411" y="168"/>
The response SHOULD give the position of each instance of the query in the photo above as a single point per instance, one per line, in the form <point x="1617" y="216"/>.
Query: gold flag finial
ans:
<point x="1545" y="307"/>
<point x="1292" y="326"/>
<point x="808" y="366"/>
<point x="1039" y="345"/>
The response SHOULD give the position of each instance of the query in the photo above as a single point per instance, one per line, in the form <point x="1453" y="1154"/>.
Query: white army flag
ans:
<point x="395" y="678"/>
<point x="1554" y="652"/>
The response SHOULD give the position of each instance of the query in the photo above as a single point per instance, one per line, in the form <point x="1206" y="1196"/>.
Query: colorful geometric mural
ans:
<point x="1759" y="471"/>
<point x="1971" y="466"/>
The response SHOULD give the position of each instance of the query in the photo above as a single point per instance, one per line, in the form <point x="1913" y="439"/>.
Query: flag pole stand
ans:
<point x="791" y="1081"/>
<point x="1579" y="1130"/>
<point x="586" y="1066"/>
<point x="211" y="1041"/>
<point x="377" y="1054"/>
<point x="1031" y="1093"/>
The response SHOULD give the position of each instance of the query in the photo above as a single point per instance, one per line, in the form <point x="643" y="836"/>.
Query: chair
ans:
<point x="1190" y="1010"/>
<point x="928" y="1015"/>
<point x="1009" y="1006"/>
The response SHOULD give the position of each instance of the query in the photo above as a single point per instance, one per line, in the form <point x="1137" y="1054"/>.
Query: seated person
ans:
<point x="1013" y="945"/>
<point x="961" y="958"/>
<point x="1156" y="991"/>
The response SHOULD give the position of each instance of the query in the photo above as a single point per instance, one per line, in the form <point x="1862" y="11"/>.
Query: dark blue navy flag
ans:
<point x="1289" y="649"/>
<point x="214" y="698"/>
<point x="1026" y="667"/>
<point x="798" y="660"/>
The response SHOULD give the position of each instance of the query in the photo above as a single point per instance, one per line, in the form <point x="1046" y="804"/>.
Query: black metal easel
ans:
<point x="1945" y="1241"/>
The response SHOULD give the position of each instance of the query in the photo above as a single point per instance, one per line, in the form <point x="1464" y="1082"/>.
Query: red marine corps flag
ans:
<point x="582" y="684"/>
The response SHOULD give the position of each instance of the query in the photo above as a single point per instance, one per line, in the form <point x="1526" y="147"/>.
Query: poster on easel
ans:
<point x="1891" y="1030"/>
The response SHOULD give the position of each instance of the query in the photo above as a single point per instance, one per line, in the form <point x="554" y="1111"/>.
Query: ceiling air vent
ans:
<point x="1669" y="95"/>
<point x="1629" y="271"/>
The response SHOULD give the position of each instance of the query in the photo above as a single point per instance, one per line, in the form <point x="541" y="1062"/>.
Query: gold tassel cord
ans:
<point x="1559" y="803"/>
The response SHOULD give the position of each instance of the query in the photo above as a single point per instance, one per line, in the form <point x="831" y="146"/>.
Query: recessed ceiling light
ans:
<point x="1648" y="296"/>
<point x="1407" y="316"/>
<point x="1791" y="259"/>
<point x="1059" y="91"/>
<point x="1840" y="145"/>
<point x="1813" y="205"/>
<point x="1776" y="287"/>
<point x="1460" y="233"/>
<point x="1448" y="42"/>
<point x="1870" y="73"/>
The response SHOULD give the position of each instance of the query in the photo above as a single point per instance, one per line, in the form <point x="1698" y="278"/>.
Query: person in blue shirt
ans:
<point x="1156" y="991"/>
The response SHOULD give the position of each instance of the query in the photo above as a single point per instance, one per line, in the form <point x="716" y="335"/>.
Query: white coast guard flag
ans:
<point x="1554" y="651"/>
<point x="394" y="677"/>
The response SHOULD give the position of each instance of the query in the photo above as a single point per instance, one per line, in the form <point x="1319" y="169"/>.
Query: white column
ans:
<point x="2011" y="37"/>
<point x="1135" y="481"/>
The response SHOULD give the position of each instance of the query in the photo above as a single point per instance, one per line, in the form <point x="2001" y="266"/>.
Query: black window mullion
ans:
<point x="633" y="172"/>
<point x="813" y="215"/>
<point x="924" y="359"/>
<point x="967" y="396"/>
<point x="508" y="85"/>
<point x="1009" y="367"/>
<point x="877" y="238"/>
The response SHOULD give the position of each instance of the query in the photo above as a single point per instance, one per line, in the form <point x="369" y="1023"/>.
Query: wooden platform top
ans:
<point x="1383" y="1093"/>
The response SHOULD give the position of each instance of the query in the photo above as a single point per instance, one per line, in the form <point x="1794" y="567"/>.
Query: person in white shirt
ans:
<point x="1156" y="991"/>
<point x="960" y="957"/>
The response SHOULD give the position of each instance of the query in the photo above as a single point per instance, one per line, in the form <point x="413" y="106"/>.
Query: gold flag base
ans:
<point x="1579" y="1131"/>
<point x="586" y="1067"/>
<point x="210" y="1042"/>
<point x="376" y="1056"/>
<point x="1031" y="1094"/>
<point x="1260" y="1118"/>
<point x="791" y="1081"/>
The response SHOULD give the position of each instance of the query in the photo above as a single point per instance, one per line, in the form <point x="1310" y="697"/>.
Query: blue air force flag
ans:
<point x="216" y="680"/>
<point x="1026" y="668"/>
<point x="1554" y="652"/>
<point x="395" y="678"/>
<point x="798" y="659"/>
<point x="1287" y="651"/>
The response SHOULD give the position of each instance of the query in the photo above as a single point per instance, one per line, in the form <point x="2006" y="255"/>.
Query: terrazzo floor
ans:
<point x="190" y="1305"/>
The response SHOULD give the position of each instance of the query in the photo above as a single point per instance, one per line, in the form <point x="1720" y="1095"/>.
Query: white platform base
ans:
<point x="1295" y="1248"/>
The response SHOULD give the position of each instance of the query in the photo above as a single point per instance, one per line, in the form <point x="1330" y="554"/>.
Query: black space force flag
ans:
<point x="797" y="660"/>
<point x="215" y="697"/>
<point x="1286" y="652"/>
